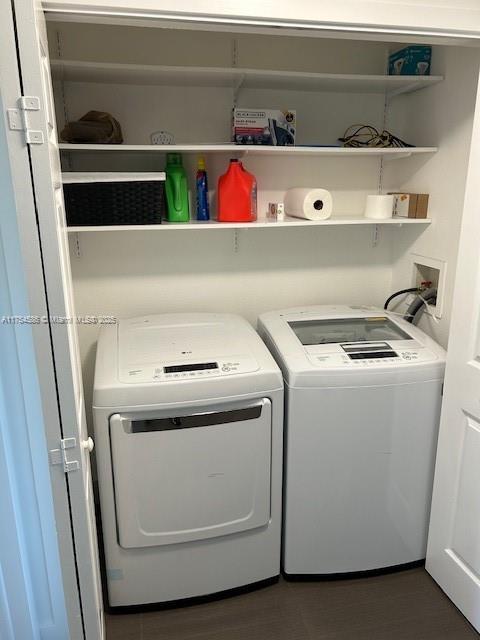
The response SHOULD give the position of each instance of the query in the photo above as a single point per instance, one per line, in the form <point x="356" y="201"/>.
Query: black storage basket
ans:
<point x="114" y="203"/>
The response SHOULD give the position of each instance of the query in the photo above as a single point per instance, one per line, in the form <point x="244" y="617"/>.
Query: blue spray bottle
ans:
<point x="203" y="210"/>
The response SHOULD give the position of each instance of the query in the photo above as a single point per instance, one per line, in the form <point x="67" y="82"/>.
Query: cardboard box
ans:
<point x="264" y="126"/>
<point x="404" y="205"/>
<point x="410" y="205"/>
<point x="414" y="60"/>
<point x="422" y="205"/>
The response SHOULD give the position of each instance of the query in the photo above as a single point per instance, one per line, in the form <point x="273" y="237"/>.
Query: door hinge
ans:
<point x="59" y="456"/>
<point x="18" y="119"/>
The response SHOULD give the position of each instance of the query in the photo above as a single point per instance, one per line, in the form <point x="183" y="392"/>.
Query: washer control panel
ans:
<point x="180" y="371"/>
<point x="372" y="351"/>
<point x="371" y="355"/>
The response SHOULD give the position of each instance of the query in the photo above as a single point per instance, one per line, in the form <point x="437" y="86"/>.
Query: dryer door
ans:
<point x="190" y="476"/>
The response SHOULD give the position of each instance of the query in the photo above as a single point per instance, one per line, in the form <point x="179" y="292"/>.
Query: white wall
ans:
<point x="205" y="48"/>
<point x="425" y="15"/>
<point x="441" y="115"/>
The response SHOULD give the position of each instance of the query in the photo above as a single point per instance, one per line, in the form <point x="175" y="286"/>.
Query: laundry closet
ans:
<point x="185" y="78"/>
<point x="187" y="81"/>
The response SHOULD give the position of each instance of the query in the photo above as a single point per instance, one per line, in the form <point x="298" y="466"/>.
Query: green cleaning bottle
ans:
<point x="176" y="189"/>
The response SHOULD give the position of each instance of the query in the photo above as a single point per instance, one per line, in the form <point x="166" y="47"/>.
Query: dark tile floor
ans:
<point x="400" y="606"/>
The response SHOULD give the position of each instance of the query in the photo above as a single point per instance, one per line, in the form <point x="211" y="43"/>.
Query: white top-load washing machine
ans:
<point x="188" y="412"/>
<point x="363" y="394"/>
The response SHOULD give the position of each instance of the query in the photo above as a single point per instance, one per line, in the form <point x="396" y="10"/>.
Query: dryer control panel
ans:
<point x="182" y="371"/>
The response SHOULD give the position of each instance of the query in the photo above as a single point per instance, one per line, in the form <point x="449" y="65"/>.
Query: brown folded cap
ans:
<point x="95" y="127"/>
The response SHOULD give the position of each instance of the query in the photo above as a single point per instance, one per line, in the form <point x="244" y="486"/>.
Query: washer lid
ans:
<point x="340" y="345"/>
<point x="371" y="328"/>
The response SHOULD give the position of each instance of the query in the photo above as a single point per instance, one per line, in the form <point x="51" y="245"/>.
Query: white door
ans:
<point x="46" y="173"/>
<point x="453" y="554"/>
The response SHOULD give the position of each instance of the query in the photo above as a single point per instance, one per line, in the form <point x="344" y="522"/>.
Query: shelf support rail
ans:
<point x="238" y="83"/>
<point x="408" y="88"/>
<point x="376" y="235"/>
<point x="76" y="245"/>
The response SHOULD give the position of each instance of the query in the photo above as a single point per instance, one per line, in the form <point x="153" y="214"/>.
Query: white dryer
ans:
<point x="188" y="412"/>
<point x="363" y="395"/>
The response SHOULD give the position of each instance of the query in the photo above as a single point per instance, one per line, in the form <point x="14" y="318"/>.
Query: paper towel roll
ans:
<point x="311" y="204"/>
<point x="379" y="207"/>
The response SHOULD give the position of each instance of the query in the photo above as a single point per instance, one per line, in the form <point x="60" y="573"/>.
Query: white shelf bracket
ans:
<point x="375" y="235"/>
<point x="236" y="241"/>
<point x="399" y="155"/>
<point x="408" y="88"/>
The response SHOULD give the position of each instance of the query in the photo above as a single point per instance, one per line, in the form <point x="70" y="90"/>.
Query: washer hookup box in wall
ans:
<point x="264" y="126"/>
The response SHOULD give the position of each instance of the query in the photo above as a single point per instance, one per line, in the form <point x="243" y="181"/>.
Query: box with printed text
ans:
<point x="264" y="126"/>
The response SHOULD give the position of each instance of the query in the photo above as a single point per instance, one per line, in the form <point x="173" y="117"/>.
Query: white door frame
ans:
<point x="409" y="18"/>
<point x="74" y="460"/>
<point x="36" y="364"/>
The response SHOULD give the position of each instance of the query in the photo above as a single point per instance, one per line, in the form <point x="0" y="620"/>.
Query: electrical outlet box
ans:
<point x="426" y="269"/>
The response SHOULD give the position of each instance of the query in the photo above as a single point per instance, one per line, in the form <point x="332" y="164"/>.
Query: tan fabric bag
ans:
<point x="95" y="127"/>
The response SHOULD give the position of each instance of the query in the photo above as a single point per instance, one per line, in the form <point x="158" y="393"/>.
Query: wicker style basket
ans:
<point x="113" y="199"/>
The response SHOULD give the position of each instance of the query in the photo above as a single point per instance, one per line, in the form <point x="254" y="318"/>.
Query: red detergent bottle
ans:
<point x="237" y="195"/>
